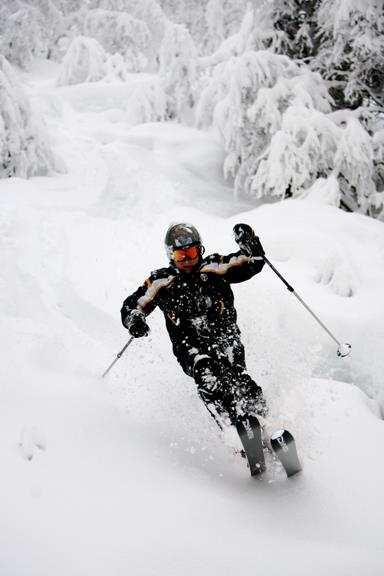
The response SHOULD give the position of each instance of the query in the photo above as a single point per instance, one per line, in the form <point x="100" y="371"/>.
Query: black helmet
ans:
<point x="180" y="236"/>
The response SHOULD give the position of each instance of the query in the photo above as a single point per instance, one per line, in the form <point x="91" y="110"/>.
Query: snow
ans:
<point x="129" y="475"/>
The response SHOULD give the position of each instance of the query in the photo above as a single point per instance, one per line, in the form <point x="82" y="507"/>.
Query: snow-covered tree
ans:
<point x="351" y="54"/>
<point x="296" y="19"/>
<point x="84" y="62"/>
<point x="147" y="102"/>
<point x="234" y="11"/>
<point x="87" y="61"/>
<point x="279" y="132"/>
<point x="29" y="29"/>
<point x="54" y="27"/>
<point x="378" y="162"/>
<point x="115" y="68"/>
<point x="118" y="32"/>
<point x="311" y="145"/>
<point x="214" y="16"/>
<point x="256" y="32"/>
<point x="340" y="38"/>
<point x="147" y="11"/>
<point x="178" y="70"/>
<point x="234" y="86"/>
<point x="211" y="22"/>
<point x="23" y="36"/>
<point x="69" y="6"/>
<point x="24" y="148"/>
<point x="191" y="14"/>
<point x="226" y="101"/>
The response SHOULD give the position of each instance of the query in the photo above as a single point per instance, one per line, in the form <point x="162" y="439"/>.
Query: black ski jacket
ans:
<point x="198" y="306"/>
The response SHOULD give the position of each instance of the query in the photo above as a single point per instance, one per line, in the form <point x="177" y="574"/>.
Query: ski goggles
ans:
<point x="188" y="253"/>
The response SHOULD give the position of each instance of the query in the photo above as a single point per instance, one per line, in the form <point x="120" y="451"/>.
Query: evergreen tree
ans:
<point x="29" y="29"/>
<point x="178" y="71"/>
<point x="234" y="11"/>
<point x="147" y="102"/>
<point x="256" y="32"/>
<point x="22" y="36"/>
<point x="280" y="134"/>
<point x="191" y="14"/>
<point x="24" y="144"/>
<point x="296" y="19"/>
<point x="84" y="62"/>
<point x="214" y="16"/>
<point x="351" y="52"/>
<point x="118" y="32"/>
<point x="151" y="14"/>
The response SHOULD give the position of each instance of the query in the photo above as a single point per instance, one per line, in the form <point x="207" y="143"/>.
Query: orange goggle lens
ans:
<point x="189" y="253"/>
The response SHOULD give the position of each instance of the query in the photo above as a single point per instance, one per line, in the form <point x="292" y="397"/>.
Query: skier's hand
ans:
<point x="136" y="324"/>
<point x="248" y="241"/>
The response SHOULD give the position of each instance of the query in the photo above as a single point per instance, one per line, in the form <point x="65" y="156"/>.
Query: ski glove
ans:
<point x="248" y="241"/>
<point x="136" y="324"/>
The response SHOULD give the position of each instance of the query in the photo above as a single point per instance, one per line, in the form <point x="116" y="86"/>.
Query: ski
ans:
<point x="284" y="447"/>
<point x="249" y="430"/>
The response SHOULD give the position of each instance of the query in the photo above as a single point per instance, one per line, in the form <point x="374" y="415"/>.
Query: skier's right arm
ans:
<point x="142" y="302"/>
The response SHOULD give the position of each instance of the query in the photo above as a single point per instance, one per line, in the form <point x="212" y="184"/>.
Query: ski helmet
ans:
<point x="181" y="235"/>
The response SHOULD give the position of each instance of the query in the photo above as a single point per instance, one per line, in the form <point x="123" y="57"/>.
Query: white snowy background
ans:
<point x="129" y="474"/>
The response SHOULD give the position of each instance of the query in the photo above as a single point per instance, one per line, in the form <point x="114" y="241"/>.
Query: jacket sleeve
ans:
<point x="144" y="298"/>
<point x="235" y="267"/>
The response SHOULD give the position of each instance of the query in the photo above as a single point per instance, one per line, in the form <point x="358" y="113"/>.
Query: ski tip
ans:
<point x="294" y="472"/>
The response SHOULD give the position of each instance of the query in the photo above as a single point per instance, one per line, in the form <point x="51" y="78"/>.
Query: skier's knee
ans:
<point x="260" y="403"/>
<point x="250" y="396"/>
<point x="206" y="374"/>
<point x="205" y="369"/>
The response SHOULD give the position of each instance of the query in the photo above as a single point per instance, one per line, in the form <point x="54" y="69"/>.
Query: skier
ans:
<point x="195" y="296"/>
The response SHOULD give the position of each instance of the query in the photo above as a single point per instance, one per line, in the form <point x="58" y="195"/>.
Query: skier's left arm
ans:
<point x="242" y="265"/>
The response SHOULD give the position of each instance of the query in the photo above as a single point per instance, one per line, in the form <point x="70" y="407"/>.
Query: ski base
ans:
<point x="249" y="430"/>
<point x="284" y="447"/>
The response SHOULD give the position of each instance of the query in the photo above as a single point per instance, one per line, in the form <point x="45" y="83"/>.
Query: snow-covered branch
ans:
<point x="24" y="144"/>
<point x="275" y="120"/>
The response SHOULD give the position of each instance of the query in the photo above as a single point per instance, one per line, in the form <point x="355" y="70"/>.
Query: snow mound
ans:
<point x="334" y="272"/>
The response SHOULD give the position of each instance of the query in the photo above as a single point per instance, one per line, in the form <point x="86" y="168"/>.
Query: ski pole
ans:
<point x="118" y="355"/>
<point x="343" y="349"/>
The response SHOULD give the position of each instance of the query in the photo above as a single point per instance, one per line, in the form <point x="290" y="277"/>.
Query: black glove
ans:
<point x="136" y="324"/>
<point x="247" y="240"/>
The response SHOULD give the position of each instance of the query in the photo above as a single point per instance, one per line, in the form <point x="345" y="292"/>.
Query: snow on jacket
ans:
<point x="198" y="307"/>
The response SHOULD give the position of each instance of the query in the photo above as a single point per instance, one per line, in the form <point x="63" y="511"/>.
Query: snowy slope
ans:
<point x="128" y="475"/>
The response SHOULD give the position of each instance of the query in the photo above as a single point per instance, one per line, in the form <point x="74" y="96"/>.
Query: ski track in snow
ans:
<point x="129" y="474"/>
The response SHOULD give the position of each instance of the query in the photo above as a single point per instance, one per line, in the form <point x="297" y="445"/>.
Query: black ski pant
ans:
<point x="225" y="387"/>
<point x="217" y="364"/>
